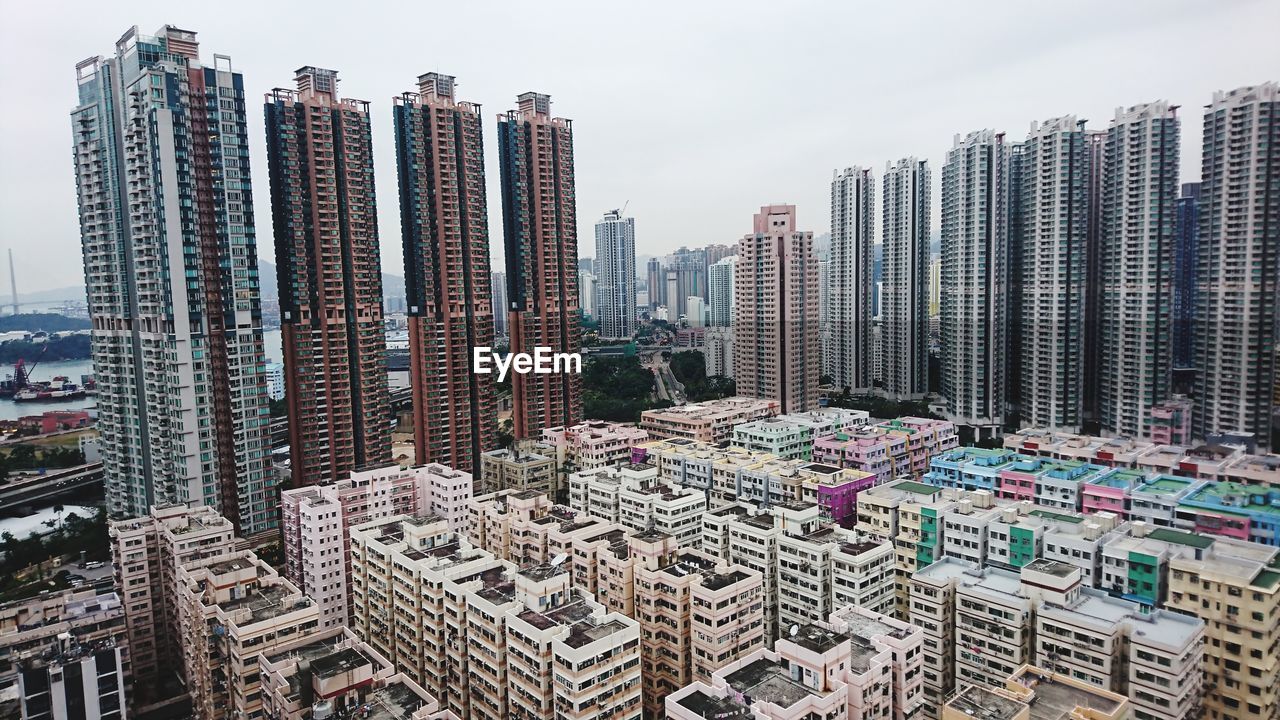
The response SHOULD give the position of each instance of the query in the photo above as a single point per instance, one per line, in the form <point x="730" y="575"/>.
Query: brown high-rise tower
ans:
<point x="444" y="221"/>
<point x="541" y="235"/>
<point x="320" y="157"/>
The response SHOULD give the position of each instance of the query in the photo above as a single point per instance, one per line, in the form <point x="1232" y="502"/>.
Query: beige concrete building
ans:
<point x="317" y="523"/>
<point x="333" y="673"/>
<point x="633" y="496"/>
<point x="146" y="553"/>
<point x="30" y="629"/>
<point x="1035" y="694"/>
<point x="1235" y="588"/>
<point x="908" y="513"/>
<point x="709" y="422"/>
<point x="594" y="443"/>
<point x="490" y="639"/>
<point x="229" y="612"/>
<point x="860" y="665"/>
<point x="528" y="465"/>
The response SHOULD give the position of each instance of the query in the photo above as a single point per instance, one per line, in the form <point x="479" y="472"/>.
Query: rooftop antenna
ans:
<point x="13" y="282"/>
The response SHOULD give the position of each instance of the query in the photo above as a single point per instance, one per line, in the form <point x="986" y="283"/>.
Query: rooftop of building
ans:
<point x="721" y="580"/>
<point x="543" y="571"/>
<point x="342" y="661"/>
<point x="590" y="630"/>
<point x="320" y="647"/>
<point x="394" y="701"/>
<point x="766" y="681"/>
<point x="1120" y="479"/>
<point x="1236" y="497"/>
<point x="815" y="637"/>
<point x="948" y="568"/>
<point x="1057" y="700"/>
<point x="1060" y="517"/>
<point x="986" y="704"/>
<point x="1178" y="537"/>
<point x="1050" y="567"/>
<point x="915" y="488"/>
<point x="858" y="547"/>
<point x="266" y="602"/>
<point x="734" y="509"/>
<point x="711" y="706"/>
<point x="569" y="613"/>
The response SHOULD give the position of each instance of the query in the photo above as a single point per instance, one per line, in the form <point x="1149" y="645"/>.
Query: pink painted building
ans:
<point x="1110" y="492"/>
<point x="317" y="522"/>
<point x="888" y="450"/>
<point x="1171" y="422"/>
<point x="1018" y="482"/>
<point x="777" y="353"/>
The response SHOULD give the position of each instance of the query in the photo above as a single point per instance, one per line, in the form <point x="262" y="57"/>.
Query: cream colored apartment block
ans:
<point x="1035" y="694"/>
<point x="709" y="422"/>
<point x="910" y="514"/>
<point x="595" y="443"/>
<point x="863" y="574"/>
<point x="146" y="554"/>
<point x="860" y="665"/>
<point x="230" y="611"/>
<point x="1235" y="589"/>
<point x="529" y="465"/>
<point x="332" y="673"/>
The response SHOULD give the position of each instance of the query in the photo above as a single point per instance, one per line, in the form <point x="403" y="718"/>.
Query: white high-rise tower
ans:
<point x="1053" y="205"/>
<point x="720" y="290"/>
<point x="171" y="269"/>
<point x="1135" y="266"/>
<point x="974" y="279"/>
<point x="1237" y="281"/>
<point x="616" y="275"/>
<point x="905" y="306"/>
<point x="849" y="277"/>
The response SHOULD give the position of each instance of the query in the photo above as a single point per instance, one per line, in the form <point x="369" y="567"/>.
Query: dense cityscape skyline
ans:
<point x="796" y="172"/>
<point x="1001" y="446"/>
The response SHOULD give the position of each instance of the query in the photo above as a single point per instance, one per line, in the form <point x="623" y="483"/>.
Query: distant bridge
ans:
<point x="37" y="488"/>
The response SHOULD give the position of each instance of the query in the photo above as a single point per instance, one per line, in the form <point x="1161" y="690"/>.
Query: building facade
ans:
<point x="974" y="283"/>
<point x="905" y="310"/>
<point x="320" y="157"/>
<point x="1053" y="214"/>
<point x="1135" y="267"/>
<point x="615" y="270"/>
<point x="1236" y="325"/>
<point x="850" y="278"/>
<point x="541" y="240"/>
<point x="777" y="354"/>
<point x="162" y="161"/>
<point x="445" y="232"/>
<point x="720" y="291"/>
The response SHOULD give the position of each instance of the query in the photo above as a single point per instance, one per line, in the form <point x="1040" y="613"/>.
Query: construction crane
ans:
<point x="21" y="375"/>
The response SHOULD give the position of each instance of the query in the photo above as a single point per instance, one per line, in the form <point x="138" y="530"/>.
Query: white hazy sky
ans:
<point x="696" y="113"/>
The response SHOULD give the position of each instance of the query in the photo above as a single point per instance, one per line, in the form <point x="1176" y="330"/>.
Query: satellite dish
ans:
<point x="558" y="560"/>
<point x="795" y="630"/>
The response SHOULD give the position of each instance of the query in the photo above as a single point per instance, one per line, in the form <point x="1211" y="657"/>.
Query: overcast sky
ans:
<point x="696" y="113"/>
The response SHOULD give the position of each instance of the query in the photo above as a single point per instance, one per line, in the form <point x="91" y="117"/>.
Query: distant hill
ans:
<point x="48" y="322"/>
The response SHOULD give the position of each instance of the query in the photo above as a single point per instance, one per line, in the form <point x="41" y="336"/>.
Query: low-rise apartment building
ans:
<point x="74" y="679"/>
<point x="317" y="522"/>
<point x="334" y="674"/>
<point x="1035" y="694"/>
<point x="230" y="611"/>
<point x="709" y="422"/>
<point x="890" y="450"/>
<point x="859" y="665"/>
<point x="496" y="641"/>
<point x="527" y="465"/>
<point x="594" y="443"/>
<point x="31" y="628"/>
<point x="791" y="436"/>
<point x="146" y="553"/>
<point x="1234" y="587"/>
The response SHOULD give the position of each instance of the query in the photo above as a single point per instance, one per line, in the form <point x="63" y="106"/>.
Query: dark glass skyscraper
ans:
<point x="1186" y="241"/>
<point x="445" y="225"/>
<point x="320" y="157"/>
<point x="541" y="238"/>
